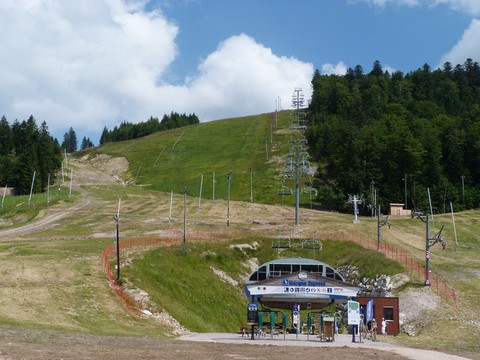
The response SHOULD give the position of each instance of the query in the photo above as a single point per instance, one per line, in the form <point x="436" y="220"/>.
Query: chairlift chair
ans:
<point x="309" y="190"/>
<point x="311" y="244"/>
<point x="281" y="243"/>
<point x="285" y="190"/>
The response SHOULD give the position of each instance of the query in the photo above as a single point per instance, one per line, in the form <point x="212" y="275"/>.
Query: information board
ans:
<point x="353" y="308"/>
<point x="252" y="314"/>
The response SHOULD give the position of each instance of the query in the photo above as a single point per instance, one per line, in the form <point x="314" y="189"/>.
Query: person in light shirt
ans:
<point x="384" y="327"/>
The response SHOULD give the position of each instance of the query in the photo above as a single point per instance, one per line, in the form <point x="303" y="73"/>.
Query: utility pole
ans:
<point x="228" y="199"/>
<point x="48" y="190"/>
<point x="184" y="214"/>
<point x="251" y="185"/>
<point x="31" y="188"/>
<point x="4" y="193"/>
<point x="171" y="204"/>
<point x="373" y="194"/>
<point x="213" y="186"/>
<point x="379" y="226"/>
<point x="117" y="240"/>
<point x="297" y="187"/>
<point x="429" y="242"/>
<point x="71" y="183"/>
<point x="117" y="247"/>
<point x="201" y="188"/>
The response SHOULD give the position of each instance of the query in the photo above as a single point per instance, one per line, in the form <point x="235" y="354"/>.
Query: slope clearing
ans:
<point x="52" y="272"/>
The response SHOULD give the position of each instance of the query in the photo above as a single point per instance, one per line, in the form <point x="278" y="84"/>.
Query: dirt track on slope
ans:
<point x="82" y="175"/>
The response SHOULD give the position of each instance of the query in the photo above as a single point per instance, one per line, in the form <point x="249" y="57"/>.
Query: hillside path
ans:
<point x="82" y="175"/>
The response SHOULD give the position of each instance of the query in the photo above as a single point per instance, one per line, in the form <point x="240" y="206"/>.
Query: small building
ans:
<point x="398" y="210"/>
<point x="384" y="307"/>
<point x="7" y="191"/>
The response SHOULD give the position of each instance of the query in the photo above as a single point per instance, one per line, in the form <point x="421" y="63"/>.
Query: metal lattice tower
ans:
<point x="297" y="103"/>
<point x="297" y="163"/>
<point x="355" y="200"/>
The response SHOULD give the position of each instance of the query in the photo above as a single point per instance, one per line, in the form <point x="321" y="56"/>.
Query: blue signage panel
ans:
<point x="252" y="314"/>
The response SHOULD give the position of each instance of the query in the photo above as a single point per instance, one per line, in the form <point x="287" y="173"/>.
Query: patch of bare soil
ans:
<point x="100" y="170"/>
<point x="414" y="305"/>
<point x="38" y="344"/>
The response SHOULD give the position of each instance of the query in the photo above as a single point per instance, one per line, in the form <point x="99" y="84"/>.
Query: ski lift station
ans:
<point x="312" y="284"/>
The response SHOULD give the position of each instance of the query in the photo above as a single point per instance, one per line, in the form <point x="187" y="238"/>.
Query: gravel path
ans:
<point x="341" y="341"/>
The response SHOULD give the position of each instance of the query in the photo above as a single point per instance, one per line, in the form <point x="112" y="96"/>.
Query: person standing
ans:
<point x="384" y="327"/>
<point x="373" y="325"/>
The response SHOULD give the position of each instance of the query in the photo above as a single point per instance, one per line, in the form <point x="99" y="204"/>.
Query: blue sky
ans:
<point x="320" y="32"/>
<point x="93" y="63"/>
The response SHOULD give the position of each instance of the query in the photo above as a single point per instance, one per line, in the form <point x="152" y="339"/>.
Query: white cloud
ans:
<point x="390" y="69"/>
<point x="91" y="63"/>
<point x="246" y="77"/>
<point x="339" y="69"/>
<point x="471" y="7"/>
<point x="383" y="3"/>
<point x="467" y="47"/>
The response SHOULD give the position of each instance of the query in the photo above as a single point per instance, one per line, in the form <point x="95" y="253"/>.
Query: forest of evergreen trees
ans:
<point x="404" y="134"/>
<point x="127" y="131"/>
<point x="26" y="148"/>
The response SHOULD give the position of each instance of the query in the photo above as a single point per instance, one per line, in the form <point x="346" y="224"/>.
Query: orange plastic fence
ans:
<point x="412" y="265"/>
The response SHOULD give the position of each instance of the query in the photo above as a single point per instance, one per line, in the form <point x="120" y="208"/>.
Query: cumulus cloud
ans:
<point x="94" y="63"/>
<point x="471" y="7"/>
<point x="246" y="76"/>
<point x="468" y="6"/>
<point x="330" y="69"/>
<point x="383" y="3"/>
<point x="467" y="47"/>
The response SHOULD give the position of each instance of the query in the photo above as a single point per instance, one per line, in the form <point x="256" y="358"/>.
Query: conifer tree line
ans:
<point x="26" y="148"/>
<point x="127" y="131"/>
<point x="403" y="134"/>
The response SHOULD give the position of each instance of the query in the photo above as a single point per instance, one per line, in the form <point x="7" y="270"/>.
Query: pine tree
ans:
<point x="70" y="141"/>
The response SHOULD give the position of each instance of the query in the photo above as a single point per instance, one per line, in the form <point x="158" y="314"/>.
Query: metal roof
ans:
<point x="295" y="261"/>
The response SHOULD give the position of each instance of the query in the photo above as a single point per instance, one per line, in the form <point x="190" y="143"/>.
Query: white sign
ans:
<point x="265" y="290"/>
<point x="353" y="308"/>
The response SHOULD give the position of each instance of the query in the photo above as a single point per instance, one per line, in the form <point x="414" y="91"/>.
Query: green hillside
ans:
<point x="171" y="160"/>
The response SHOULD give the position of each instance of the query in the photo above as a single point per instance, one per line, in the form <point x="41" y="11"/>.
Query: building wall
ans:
<point x="398" y="210"/>
<point x="8" y="191"/>
<point x="384" y="307"/>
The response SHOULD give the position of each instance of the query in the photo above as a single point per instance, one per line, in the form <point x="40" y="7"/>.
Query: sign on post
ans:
<point x="252" y="314"/>
<point x="353" y="313"/>
<point x="296" y="314"/>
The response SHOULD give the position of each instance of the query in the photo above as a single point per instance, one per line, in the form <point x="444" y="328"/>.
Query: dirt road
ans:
<point x="37" y="344"/>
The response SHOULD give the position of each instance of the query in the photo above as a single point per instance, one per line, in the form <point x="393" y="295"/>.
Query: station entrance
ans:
<point x="295" y="295"/>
